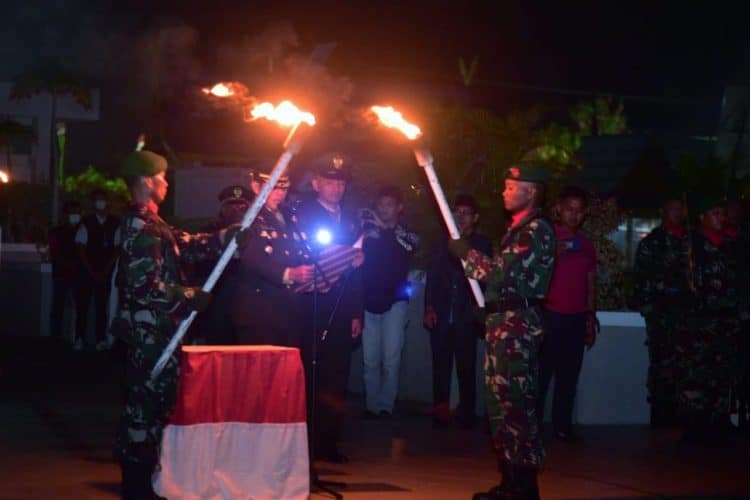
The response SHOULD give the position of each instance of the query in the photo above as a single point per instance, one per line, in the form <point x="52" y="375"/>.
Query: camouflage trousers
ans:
<point x="147" y="405"/>
<point x="662" y="352"/>
<point x="511" y="371"/>
<point x="708" y="359"/>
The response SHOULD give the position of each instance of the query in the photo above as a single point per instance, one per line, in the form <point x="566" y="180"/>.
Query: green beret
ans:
<point x="527" y="173"/>
<point x="143" y="164"/>
<point x="709" y="200"/>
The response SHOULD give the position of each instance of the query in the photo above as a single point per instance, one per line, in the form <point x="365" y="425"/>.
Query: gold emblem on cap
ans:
<point x="338" y="162"/>
<point x="238" y="192"/>
<point x="514" y="172"/>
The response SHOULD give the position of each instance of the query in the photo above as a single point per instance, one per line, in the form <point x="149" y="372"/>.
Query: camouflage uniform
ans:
<point x="521" y="269"/>
<point x="152" y="302"/>
<point x="663" y="295"/>
<point x="708" y="347"/>
<point x="738" y="249"/>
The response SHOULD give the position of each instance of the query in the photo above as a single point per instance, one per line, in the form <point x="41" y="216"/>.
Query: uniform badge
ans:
<point x="514" y="172"/>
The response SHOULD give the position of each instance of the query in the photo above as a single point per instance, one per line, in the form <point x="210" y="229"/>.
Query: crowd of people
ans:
<point x="539" y="283"/>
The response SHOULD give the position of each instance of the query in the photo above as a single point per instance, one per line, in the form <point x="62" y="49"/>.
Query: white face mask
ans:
<point x="74" y="219"/>
<point x="100" y="204"/>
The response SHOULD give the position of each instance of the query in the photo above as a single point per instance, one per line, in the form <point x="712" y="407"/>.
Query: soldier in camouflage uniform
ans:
<point x="738" y="241"/>
<point x="663" y="297"/>
<point x="517" y="278"/>
<point x="708" y="347"/>
<point x="152" y="302"/>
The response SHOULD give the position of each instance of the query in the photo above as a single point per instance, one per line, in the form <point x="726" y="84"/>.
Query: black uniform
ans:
<point x="456" y="331"/>
<point x="265" y="308"/>
<point x="333" y="353"/>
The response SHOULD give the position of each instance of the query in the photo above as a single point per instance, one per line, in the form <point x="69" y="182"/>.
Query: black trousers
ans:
<point x="99" y="292"/>
<point x="449" y="341"/>
<point x="561" y="357"/>
<point x="326" y="373"/>
<point x="62" y="294"/>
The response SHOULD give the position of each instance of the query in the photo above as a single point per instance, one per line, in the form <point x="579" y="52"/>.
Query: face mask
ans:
<point x="100" y="204"/>
<point x="74" y="219"/>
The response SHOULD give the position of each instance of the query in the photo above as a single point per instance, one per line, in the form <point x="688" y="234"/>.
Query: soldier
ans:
<point x="272" y="261"/>
<point x="215" y="325"/>
<point x="738" y="241"/>
<point x="338" y="312"/>
<point x="708" y="347"/>
<point x="517" y="278"/>
<point x="152" y="302"/>
<point x="663" y="296"/>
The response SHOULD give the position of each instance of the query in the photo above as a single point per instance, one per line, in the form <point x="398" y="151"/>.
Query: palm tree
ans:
<point x="51" y="78"/>
<point x="11" y="131"/>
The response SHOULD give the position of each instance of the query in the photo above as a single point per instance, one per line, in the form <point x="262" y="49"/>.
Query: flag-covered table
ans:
<point x="238" y="430"/>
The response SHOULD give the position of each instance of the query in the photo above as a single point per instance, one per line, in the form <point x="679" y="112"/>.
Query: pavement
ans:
<point x="59" y="410"/>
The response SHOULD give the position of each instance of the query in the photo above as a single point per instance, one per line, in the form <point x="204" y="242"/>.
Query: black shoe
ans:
<point x="524" y="483"/>
<point x="370" y="415"/>
<point x="385" y="414"/>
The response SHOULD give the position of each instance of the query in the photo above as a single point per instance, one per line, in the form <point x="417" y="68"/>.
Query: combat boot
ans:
<point x="525" y="485"/>
<point x="504" y="490"/>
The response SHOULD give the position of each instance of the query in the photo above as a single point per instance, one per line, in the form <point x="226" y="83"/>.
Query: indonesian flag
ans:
<point x="238" y="429"/>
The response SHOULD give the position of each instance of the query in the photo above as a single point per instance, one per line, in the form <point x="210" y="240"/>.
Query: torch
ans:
<point x="393" y="119"/>
<point x="287" y="115"/>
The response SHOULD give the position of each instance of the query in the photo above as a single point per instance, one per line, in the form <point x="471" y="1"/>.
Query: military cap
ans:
<point x="235" y="194"/>
<point x="262" y="177"/>
<point x="466" y="200"/>
<point x="143" y="164"/>
<point x="527" y="173"/>
<point x="709" y="200"/>
<point x="334" y="168"/>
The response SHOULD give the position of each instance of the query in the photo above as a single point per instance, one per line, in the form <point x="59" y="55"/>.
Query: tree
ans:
<point x="11" y="131"/>
<point x="51" y="78"/>
<point x="602" y="116"/>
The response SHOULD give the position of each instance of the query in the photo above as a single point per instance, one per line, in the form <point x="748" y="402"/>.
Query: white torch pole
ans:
<point x="292" y="146"/>
<point x="425" y="160"/>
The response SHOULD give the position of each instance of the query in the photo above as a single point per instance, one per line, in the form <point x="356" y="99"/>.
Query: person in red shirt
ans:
<point x="569" y="311"/>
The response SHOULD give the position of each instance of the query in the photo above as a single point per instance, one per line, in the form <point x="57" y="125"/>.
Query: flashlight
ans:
<point x="323" y="236"/>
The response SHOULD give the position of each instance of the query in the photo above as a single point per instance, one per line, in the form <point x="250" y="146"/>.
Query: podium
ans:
<point x="238" y="430"/>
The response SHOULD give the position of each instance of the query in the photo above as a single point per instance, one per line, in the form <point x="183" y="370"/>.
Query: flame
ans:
<point x="285" y="113"/>
<point x="220" y="90"/>
<point x="4" y="177"/>
<point x="393" y="119"/>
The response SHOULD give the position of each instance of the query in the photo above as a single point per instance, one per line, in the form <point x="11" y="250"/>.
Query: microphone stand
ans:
<point x="316" y="484"/>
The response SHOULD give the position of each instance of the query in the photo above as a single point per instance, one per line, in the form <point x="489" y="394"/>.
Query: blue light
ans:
<point x="323" y="236"/>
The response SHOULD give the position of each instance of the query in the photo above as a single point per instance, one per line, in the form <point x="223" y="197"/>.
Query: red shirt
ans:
<point x="576" y="257"/>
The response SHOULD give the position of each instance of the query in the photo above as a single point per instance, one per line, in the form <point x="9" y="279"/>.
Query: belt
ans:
<point x="512" y="303"/>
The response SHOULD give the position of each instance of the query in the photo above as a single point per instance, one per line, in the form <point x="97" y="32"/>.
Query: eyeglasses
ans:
<point x="463" y="213"/>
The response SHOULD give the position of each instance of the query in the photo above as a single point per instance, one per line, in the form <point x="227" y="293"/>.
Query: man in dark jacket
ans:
<point x="449" y="315"/>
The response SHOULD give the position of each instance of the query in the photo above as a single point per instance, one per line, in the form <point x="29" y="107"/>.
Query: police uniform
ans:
<point x="215" y="325"/>
<point x="517" y="279"/>
<point x="337" y="308"/>
<point x="265" y="309"/>
<point x="152" y="301"/>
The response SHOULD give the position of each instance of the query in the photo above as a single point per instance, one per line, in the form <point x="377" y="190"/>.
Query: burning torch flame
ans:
<point x="393" y="119"/>
<point x="285" y="113"/>
<point x="220" y="90"/>
<point x="4" y="177"/>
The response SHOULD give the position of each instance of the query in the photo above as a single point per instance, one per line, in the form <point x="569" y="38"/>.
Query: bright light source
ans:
<point x="4" y="177"/>
<point x="323" y="236"/>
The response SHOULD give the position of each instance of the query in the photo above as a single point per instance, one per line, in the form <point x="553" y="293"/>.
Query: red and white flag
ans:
<point x="238" y="430"/>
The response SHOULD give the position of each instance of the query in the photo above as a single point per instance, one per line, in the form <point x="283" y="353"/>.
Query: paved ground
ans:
<point x="58" y="411"/>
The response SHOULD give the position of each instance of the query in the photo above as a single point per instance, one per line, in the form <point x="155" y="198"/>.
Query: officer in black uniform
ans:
<point x="337" y="312"/>
<point x="266" y="309"/>
<point x="215" y="325"/>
